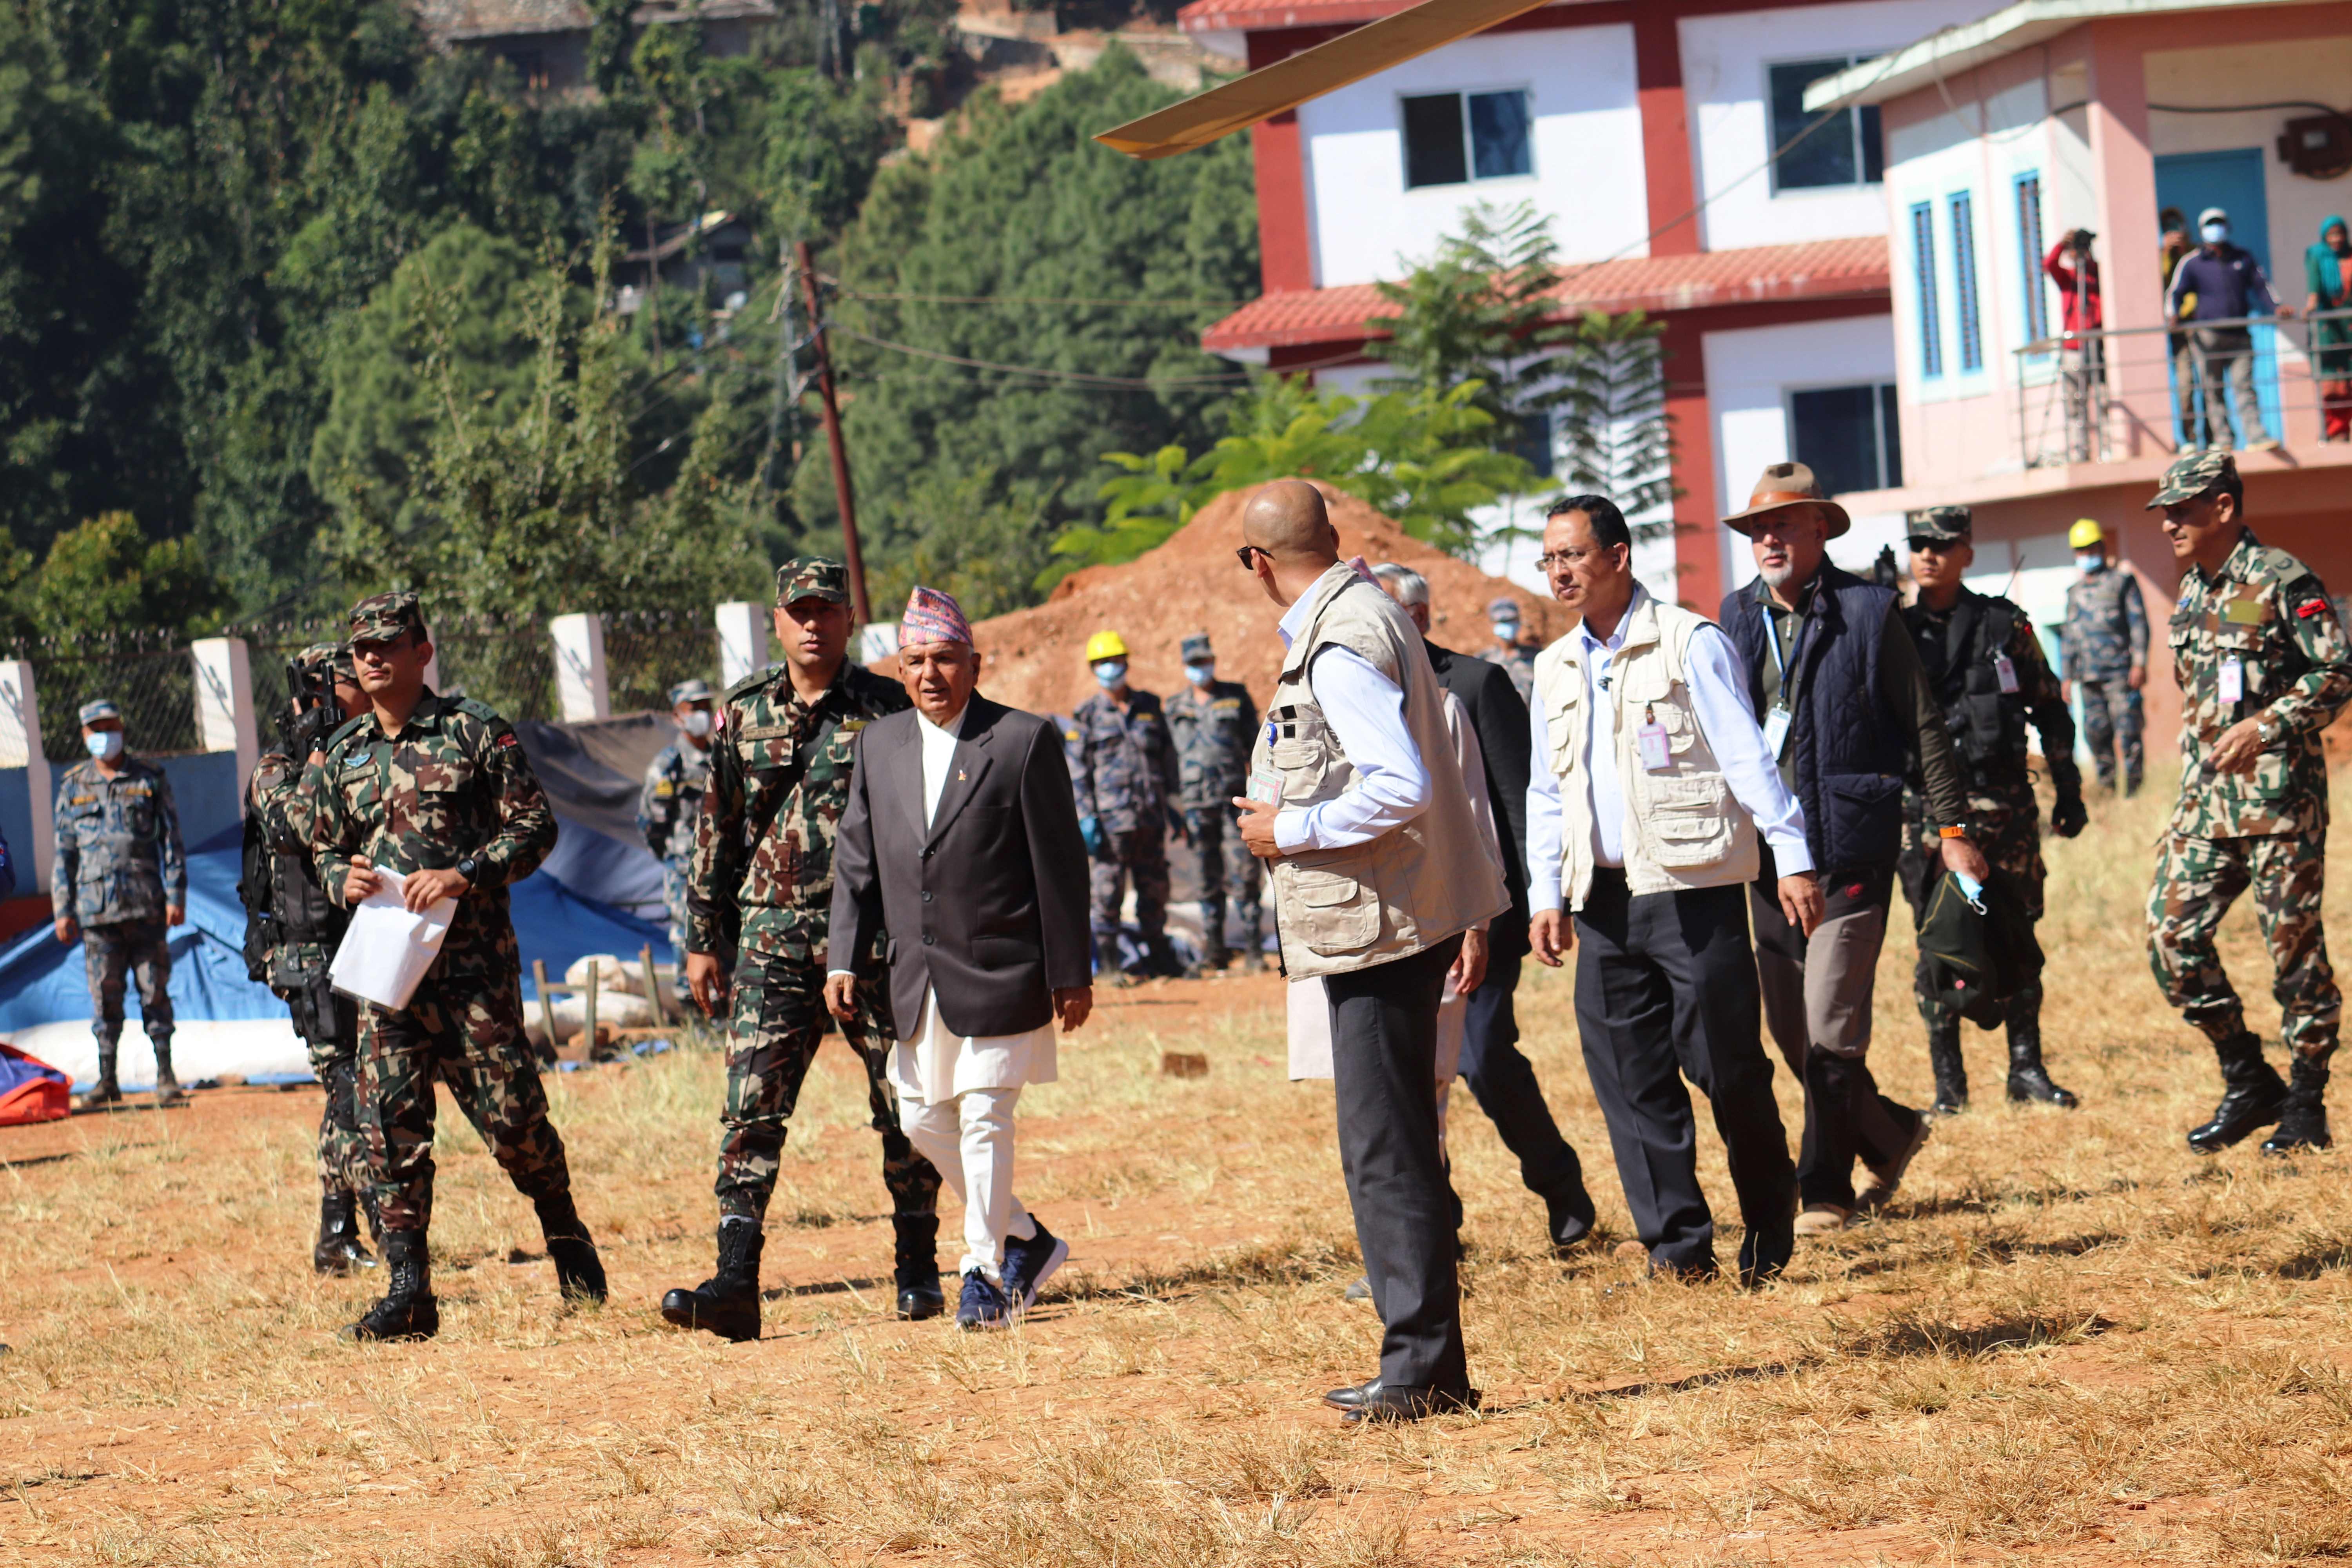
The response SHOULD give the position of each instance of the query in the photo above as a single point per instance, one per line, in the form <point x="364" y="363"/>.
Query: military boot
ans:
<point x="728" y="1304"/>
<point x="167" y="1082"/>
<point x="408" y="1311"/>
<point x="2028" y="1078"/>
<point x="106" y="1091"/>
<point x="917" y="1267"/>
<point x="579" y="1274"/>
<point x="2305" y="1123"/>
<point x="1107" y="971"/>
<point x="338" y="1251"/>
<point x="1951" y="1069"/>
<point x="2253" y="1095"/>
<point x="1215" y="959"/>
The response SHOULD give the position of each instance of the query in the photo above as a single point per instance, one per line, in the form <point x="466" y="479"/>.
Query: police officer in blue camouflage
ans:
<point x="2102" y="653"/>
<point x="1213" y="724"/>
<point x="1123" y="773"/>
<point x="1515" y="657"/>
<point x="670" y="803"/>
<point x="119" y="882"/>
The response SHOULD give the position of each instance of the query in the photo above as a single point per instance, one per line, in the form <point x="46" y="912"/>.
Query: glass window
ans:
<point x="1433" y="141"/>
<point x="1813" y="150"/>
<point x="1498" y="134"/>
<point x="1963" y="283"/>
<point x="1451" y="137"/>
<point x="1923" y="275"/>
<point x="1533" y="442"/>
<point x="1848" y="437"/>
<point x="2029" y="256"/>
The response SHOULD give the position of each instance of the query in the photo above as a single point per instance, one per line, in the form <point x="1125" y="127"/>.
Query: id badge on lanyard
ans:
<point x="2005" y="673"/>
<point x="1777" y="721"/>
<point x="1651" y="740"/>
<point x="2233" y="681"/>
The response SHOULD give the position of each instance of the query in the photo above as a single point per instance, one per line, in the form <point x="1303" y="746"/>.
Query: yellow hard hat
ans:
<point x="2085" y="535"/>
<point x="1105" y="645"/>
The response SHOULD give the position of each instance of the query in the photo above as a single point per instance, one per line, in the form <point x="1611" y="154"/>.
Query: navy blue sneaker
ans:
<point x="1029" y="1263"/>
<point x="982" y="1305"/>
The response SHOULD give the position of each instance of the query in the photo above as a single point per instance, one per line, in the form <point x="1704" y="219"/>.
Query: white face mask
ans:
<point x="104" y="744"/>
<point x="696" y="724"/>
<point x="2215" y="233"/>
<point x="2091" y="561"/>
<point x="1506" y="631"/>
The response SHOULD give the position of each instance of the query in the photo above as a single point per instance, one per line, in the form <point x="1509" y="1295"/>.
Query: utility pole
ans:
<point x="833" y="436"/>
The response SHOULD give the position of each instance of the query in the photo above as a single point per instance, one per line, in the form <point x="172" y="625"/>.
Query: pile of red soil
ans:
<point x="1036" y="659"/>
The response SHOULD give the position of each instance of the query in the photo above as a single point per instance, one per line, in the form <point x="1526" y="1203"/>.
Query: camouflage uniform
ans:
<point x="118" y="867"/>
<point x="1989" y="741"/>
<point x="1513" y="656"/>
<point x="1123" y="773"/>
<point x="2104" y="638"/>
<point x="451" y="789"/>
<point x="762" y="886"/>
<point x="1213" y="732"/>
<point x="668" y="805"/>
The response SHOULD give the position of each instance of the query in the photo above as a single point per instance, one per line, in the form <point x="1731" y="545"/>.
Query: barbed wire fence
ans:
<point x="152" y="679"/>
<point x="510" y="665"/>
<point x="647" y="652"/>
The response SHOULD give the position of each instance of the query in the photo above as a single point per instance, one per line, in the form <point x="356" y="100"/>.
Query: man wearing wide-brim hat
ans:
<point x="1838" y="687"/>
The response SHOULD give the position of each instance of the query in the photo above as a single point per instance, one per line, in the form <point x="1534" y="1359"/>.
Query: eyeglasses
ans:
<point x="1247" y="550"/>
<point x="1557" y="560"/>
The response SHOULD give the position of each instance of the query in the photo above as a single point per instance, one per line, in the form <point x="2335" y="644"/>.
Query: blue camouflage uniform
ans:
<point x="668" y="806"/>
<point x="1213" y="731"/>
<point x="2104" y="638"/>
<point x="1123" y="774"/>
<point x="118" y="867"/>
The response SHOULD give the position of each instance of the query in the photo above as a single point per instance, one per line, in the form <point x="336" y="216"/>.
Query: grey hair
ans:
<point x="1409" y="586"/>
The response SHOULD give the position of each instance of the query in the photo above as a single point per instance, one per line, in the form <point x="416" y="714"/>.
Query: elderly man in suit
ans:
<point x="961" y="840"/>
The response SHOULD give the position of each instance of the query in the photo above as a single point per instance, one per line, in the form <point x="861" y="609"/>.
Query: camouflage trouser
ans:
<point x="329" y="1023"/>
<point x="777" y="1022"/>
<point x="1225" y="865"/>
<point x="467" y="1031"/>
<point x="129" y="948"/>
<point x="674" y="900"/>
<point x="1143" y="854"/>
<point x="2197" y="880"/>
<point x="2111" y="716"/>
<point x="2010" y="838"/>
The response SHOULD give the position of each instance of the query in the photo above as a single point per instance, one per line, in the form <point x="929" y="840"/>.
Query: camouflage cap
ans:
<point x="380" y="617"/>
<point x="689" y="691"/>
<point x="1197" y="650"/>
<point x="1503" y="610"/>
<point x="1941" y="524"/>
<point x="812" y="577"/>
<point x="335" y="656"/>
<point x="98" y="708"/>
<point x="2192" y="476"/>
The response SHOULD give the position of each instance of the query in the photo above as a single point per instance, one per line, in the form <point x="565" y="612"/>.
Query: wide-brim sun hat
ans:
<point x="1786" y="485"/>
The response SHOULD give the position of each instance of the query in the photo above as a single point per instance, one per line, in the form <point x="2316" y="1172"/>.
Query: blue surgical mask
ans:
<point x="2091" y="561"/>
<point x="1110" y="673"/>
<point x="1200" y="674"/>
<point x="1506" y="631"/>
<point x="104" y="744"/>
<point x="697" y="722"/>
<point x="2215" y="233"/>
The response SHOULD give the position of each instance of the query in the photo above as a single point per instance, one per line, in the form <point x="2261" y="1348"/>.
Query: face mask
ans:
<point x="2089" y="562"/>
<point x="2215" y="233"/>
<point x="1506" y="631"/>
<point x="104" y="744"/>
<point x="1110" y="672"/>
<point x="696" y="723"/>
<point x="1200" y="674"/>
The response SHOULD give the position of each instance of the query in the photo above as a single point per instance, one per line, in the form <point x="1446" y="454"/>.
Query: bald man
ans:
<point x="1359" y="808"/>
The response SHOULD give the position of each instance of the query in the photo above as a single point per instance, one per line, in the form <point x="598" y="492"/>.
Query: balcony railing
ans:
<point x="2091" y="397"/>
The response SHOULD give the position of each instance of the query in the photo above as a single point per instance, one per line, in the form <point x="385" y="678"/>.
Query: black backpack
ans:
<point x="1977" y="954"/>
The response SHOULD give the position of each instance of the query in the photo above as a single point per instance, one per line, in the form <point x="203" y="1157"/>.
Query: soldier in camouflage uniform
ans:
<point x="1518" y="658"/>
<point x="1123" y="773"/>
<point x="291" y="930"/>
<point x="2263" y="665"/>
<point x="2103" y="650"/>
<point x="762" y="886"/>
<point x="1986" y="668"/>
<point x="119" y="882"/>
<point x="437" y="790"/>
<point x="1213" y="724"/>
<point x="670" y="803"/>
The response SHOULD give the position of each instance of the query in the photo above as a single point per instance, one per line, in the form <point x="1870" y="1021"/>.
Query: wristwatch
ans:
<point x="470" y="869"/>
<point x="1957" y="830"/>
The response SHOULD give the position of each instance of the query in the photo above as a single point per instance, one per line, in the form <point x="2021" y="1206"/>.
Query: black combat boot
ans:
<point x="728" y="1304"/>
<point x="2305" y="1123"/>
<point x="2028" y="1078"/>
<point x="2253" y="1095"/>
<point x="917" y="1267"/>
<point x="1951" y="1068"/>
<point x="167" y="1083"/>
<point x="579" y="1275"/>
<point x="408" y="1311"/>
<point x="106" y="1091"/>
<point x="338" y="1252"/>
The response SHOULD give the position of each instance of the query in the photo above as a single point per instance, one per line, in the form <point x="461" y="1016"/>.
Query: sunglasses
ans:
<point x="1247" y="550"/>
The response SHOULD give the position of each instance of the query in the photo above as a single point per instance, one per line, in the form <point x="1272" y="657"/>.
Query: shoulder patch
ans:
<point x="508" y="740"/>
<point x="474" y="708"/>
<point x="2310" y="608"/>
<point x="2279" y="566"/>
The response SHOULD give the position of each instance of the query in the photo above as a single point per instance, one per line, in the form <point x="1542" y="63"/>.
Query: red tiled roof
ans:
<point x="1824" y="269"/>
<point x="1244" y="16"/>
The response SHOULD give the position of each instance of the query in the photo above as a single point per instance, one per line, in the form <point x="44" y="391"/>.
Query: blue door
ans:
<point x="2232" y="181"/>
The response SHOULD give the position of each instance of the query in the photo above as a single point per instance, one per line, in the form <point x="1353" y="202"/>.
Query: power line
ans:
<point x="848" y="293"/>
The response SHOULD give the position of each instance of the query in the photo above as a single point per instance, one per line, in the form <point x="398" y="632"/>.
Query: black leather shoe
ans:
<point x="915" y="1267"/>
<point x="1765" y="1251"/>
<point x="728" y="1304"/>
<point x="1568" y="1220"/>
<point x="1353" y="1396"/>
<point x="2253" y="1096"/>
<point x="2304" y="1125"/>
<point x="1385" y="1403"/>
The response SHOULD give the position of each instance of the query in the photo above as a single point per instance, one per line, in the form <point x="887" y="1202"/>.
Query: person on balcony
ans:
<point x="2327" y="268"/>
<point x="2175" y="248"/>
<point x="2083" y="355"/>
<point x="2229" y="286"/>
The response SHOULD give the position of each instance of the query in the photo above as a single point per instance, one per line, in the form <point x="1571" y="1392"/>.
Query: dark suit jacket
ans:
<point x="1500" y="721"/>
<point x="988" y="905"/>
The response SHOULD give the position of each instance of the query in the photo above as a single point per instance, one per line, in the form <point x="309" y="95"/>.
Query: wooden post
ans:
<point x="841" y="487"/>
<point x="546" y="1003"/>
<point x="588" y="1012"/>
<point x="652" y="985"/>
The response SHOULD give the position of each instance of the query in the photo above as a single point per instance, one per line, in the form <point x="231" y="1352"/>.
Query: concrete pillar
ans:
<point x="225" y="716"/>
<point x="2130" y="270"/>
<point x="582" y="690"/>
<point x="742" y="640"/>
<point x="20" y="747"/>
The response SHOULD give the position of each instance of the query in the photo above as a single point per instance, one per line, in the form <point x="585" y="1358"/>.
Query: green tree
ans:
<point x="105" y="576"/>
<point x="1622" y="445"/>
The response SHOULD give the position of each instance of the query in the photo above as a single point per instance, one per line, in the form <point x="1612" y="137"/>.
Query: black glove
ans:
<point x="2067" y="818"/>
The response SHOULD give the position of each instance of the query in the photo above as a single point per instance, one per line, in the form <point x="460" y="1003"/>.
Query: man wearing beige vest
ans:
<point x="1358" y="807"/>
<point x="1650" y="787"/>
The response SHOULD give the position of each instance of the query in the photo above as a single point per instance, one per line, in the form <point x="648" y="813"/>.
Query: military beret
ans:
<point x="100" y="707"/>
<point x="689" y="691"/>
<point x="1941" y="524"/>
<point x="2192" y="476"/>
<point x="812" y="577"/>
<point x="1196" y="649"/>
<point x="380" y="617"/>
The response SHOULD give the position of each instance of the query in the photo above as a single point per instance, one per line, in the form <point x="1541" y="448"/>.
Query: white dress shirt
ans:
<point x="1719" y="694"/>
<point x="1366" y="710"/>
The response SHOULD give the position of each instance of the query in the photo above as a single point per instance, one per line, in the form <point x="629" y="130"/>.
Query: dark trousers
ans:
<point x="1383" y="1059"/>
<point x="1665" y="987"/>
<point x="1503" y="1080"/>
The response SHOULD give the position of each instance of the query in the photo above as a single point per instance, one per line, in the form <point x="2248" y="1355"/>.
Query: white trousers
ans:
<point x="970" y="1140"/>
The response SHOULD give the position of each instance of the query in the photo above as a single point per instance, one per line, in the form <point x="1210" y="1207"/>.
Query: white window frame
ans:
<point x="1854" y="124"/>
<point x="1469" y="154"/>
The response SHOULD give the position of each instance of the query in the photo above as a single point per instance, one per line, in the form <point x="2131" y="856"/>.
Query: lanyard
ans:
<point x="1796" y="654"/>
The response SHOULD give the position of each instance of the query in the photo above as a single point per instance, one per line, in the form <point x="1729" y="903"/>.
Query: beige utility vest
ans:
<point x="1413" y="887"/>
<point x="1684" y="828"/>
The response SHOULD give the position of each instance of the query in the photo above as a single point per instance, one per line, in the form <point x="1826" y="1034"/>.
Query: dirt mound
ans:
<point x="1037" y="658"/>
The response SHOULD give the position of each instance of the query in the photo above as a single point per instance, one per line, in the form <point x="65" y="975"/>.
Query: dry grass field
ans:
<point x="2068" y="1341"/>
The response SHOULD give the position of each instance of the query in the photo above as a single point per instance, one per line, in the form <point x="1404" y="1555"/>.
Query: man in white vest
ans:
<point x="1651" y="783"/>
<point x="1358" y="806"/>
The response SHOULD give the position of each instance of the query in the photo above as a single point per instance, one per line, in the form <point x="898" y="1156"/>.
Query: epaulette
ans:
<point x="2279" y="566"/>
<point x="474" y="708"/>
<point x="750" y="683"/>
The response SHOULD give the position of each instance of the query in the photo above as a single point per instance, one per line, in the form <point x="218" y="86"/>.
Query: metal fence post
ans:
<point x="742" y="640"/>
<point x="20" y="747"/>
<point x="224" y="717"/>
<point x="581" y="688"/>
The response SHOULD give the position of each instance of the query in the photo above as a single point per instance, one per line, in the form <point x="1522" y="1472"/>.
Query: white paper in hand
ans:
<point x="386" y="949"/>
